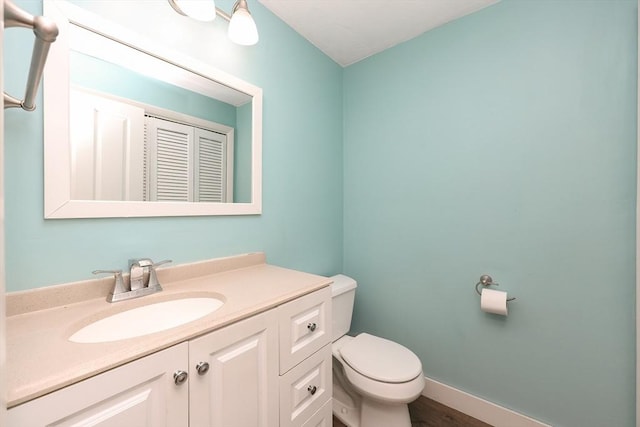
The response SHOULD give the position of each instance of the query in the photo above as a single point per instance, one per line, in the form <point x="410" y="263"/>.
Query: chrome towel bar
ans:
<point x="46" y="32"/>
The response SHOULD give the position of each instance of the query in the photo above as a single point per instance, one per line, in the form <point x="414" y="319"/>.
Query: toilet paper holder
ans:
<point x="486" y="280"/>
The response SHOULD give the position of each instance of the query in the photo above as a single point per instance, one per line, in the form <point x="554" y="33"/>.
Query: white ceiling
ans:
<point x="351" y="30"/>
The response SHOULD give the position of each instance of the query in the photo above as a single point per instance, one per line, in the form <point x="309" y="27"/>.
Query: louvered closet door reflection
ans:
<point x="170" y="153"/>
<point x="210" y="177"/>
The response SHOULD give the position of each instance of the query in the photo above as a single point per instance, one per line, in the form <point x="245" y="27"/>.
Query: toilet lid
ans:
<point x="381" y="359"/>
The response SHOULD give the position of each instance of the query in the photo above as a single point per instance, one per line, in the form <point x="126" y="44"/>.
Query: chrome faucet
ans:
<point x="143" y="280"/>
<point x="139" y="273"/>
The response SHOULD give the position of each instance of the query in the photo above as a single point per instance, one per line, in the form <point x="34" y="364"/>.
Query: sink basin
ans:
<point x="146" y="320"/>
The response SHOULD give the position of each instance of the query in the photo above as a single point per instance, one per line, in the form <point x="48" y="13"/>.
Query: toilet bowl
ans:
<point x="373" y="378"/>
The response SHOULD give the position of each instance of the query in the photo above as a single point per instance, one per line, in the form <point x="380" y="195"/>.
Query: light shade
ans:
<point x="242" y="27"/>
<point x="201" y="10"/>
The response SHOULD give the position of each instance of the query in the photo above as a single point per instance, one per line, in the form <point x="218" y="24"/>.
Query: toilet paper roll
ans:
<point x="493" y="301"/>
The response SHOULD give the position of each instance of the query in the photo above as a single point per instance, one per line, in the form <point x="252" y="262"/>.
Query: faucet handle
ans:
<point x="156" y="264"/>
<point x="115" y="272"/>
<point x="153" y="278"/>
<point x="119" y="286"/>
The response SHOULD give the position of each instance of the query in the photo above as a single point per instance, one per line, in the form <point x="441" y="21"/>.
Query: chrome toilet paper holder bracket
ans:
<point x="486" y="280"/>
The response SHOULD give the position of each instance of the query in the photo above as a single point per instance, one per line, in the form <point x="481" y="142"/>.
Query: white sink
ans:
<point x="147" y="320"/>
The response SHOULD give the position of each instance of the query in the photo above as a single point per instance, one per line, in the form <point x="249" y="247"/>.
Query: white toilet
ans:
<point x="373" y="378"/>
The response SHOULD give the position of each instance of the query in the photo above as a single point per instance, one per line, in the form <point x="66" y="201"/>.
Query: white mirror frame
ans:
<point x="57" y="151"/>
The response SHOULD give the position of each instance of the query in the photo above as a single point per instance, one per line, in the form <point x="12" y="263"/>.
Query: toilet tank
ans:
<point x="343" y="292"/>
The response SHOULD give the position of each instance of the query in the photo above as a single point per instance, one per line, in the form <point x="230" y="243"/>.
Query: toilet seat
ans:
<point x="381" y="360"/>
<point x="381" y="391"/>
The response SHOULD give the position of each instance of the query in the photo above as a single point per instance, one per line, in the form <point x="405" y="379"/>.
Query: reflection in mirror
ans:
<point x="153" y="141"/>
<point x="143" y="136"/>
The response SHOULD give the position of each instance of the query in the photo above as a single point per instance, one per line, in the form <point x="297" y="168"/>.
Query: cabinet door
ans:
<point x="240" y="388"/>
<point x="139" y="394"/>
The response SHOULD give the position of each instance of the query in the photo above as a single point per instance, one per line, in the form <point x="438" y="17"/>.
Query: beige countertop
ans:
<point x="41" y="359"/>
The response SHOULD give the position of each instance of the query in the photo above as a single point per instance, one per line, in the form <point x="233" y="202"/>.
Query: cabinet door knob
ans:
<point x="180" y="377"/>
<point x="312" y="326"/>
<point x="312" y="389"/>
<point x="202" y="368"/>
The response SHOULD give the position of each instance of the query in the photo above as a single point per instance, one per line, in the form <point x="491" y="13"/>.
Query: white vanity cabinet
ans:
<point x="140" y="393"/>
<point x="271" y="369"/>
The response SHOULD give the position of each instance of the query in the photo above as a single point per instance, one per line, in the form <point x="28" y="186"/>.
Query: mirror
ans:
<point x="134" y="129"/>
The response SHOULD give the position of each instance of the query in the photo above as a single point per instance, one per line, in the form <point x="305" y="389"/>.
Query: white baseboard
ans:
<point x="476" y="407"/>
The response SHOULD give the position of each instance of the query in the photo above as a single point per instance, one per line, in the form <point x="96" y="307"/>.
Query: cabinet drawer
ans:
<point x="322" y="418"/>
<point x="305" y="327"/>
<point x="305" y="389"/>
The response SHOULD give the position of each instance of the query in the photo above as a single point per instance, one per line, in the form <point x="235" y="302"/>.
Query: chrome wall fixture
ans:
<point x="46" y="32"/>
<point x="486" y="280"/>
<point x="242" y="27"/>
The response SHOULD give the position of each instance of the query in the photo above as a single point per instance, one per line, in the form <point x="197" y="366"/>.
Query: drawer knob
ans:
<point x="202" y="368"/>
<point x="312" y="389"/>
<point x="180" y="377"/>
<point x="312" y="326"/>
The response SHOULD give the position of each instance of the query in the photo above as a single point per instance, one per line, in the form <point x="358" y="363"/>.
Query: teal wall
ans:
<point x="503" y="143"/>
<point x="301" y="224"/>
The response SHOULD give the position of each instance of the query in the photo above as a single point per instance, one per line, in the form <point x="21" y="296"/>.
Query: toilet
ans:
<point x="373" y="378"/>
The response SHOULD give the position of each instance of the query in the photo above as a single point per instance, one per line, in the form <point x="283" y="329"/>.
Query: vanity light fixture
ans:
<point x="242" y="27"/>
<point x="200" y="10"/>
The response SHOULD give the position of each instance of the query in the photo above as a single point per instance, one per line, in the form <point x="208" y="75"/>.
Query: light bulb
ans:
<point x="242" y="28"/>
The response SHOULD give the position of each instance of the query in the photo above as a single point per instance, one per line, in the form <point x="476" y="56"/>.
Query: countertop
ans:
<point x="41" y="359"/>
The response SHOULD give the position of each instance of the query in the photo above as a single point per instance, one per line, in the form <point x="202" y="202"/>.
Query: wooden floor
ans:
<point x="428" y="413"/>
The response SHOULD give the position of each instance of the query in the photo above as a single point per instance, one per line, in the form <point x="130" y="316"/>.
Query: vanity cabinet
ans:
<point x="271" y="369"/>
